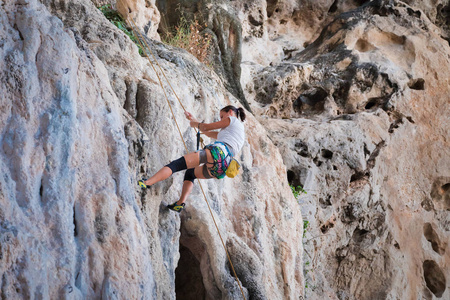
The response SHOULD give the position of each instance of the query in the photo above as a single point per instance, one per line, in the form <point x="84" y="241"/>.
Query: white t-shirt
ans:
<point x="233" y="135"/>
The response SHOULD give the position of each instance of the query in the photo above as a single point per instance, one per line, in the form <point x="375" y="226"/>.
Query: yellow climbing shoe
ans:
<point x="176" y="207"/>
<point x="142" y="184"/>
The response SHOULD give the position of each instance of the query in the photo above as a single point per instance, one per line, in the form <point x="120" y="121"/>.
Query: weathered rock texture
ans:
<point x="143" y="13"/>
<point x="438" y="11"/>
<point x="351" y="102"/>
<point x="70" y="226"/>
<point x="82" y="119"/>
<point x="361" y="117"/>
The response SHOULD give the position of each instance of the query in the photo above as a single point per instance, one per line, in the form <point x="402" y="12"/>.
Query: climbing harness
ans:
<point x="141" y="39"/>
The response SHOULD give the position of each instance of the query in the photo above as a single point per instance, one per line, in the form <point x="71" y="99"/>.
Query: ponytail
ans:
<point x="239" y="112"/>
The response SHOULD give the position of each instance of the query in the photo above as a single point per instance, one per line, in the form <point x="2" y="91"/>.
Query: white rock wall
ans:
<point x="361" y="120"/>
<point x="70" y="226"/>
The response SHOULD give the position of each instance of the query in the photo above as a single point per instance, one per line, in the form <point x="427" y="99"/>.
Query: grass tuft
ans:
<point x="114" y="17"/>
<point x="191" y="37"/>
<point x="297" y="191"/>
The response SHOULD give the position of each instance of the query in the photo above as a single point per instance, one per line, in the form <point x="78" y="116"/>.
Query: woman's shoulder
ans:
<point x="232" y="120"/>
<point x="235" y="122"/>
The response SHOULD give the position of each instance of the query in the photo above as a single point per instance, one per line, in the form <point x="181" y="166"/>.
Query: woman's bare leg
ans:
<point x="185" y="191"/>
<point x="162" y="174"/>
<point x="192" y="160"/>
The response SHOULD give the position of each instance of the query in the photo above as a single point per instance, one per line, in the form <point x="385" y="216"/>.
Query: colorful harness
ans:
<point x="222" y="158"/>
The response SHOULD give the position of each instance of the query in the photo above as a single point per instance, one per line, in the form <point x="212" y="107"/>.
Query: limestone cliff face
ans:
<point x="350" y="100"/>
<point x="69" y="222"/>
<point x="361" y="117"/>
<point x="82" y="119"/>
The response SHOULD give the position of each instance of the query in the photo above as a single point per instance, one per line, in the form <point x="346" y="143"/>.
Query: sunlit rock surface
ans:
<point x="350" y="101"/>
<point x="361" y="119"/>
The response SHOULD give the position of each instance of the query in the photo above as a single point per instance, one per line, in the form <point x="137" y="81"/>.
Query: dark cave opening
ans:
<point x="188" y="277"/>
<point x="293" y="178"/>
<point x="297" y="176"/>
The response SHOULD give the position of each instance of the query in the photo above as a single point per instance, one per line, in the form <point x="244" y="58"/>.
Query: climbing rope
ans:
<point x="141" y="40"/>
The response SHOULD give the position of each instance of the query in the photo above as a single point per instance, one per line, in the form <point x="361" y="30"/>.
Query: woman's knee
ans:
<point x="177" y="165"/>
<point x="190" y="175"/>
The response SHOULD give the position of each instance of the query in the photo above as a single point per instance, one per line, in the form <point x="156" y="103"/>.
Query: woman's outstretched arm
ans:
<point x="204" y="127"/>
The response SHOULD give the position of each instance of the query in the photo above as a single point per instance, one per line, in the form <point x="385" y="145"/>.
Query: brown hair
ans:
<point x="239" y="112"/>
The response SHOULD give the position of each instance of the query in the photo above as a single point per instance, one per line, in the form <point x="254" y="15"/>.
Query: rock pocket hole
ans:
<point x="370" y="104"/>
<point x="326" y="154"/>
<point x="75" y="230"/>
<point x="294" y="177"/>
<point x="333" y="7"/>
<point x="291" y="176"/>
<point x="414" y="13"/>
<point x="358" y="176"/>
<point x="317" y="161"/>
<point x="271" y="6"/>
<point x="327" y="226"/>
<point x="301" y="148"/>
<point x="254" y="22"/>
<point x="359" y="235"/>
<point x="417" y="84"/>
<point x="434" y="277"/>
<point x="440" y="193"/>
<point x="350" y="212"/>
<point x="188" y="276"/>
<point x="363" y="46"/>
<point x="325" y="203"/>
<point x="427" y="204"/>
<point x="445" y="188"/>
<point x="433" y="238"/>
<point x="312" y="100"/>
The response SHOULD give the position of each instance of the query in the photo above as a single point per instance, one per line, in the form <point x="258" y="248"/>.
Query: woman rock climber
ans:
<point x="210" y="162"/>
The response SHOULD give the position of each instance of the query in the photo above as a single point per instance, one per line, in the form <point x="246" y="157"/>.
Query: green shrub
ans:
<point x="114" y="17"/>
<point x="305" y="227"/>
<point x="297" y="191"/>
